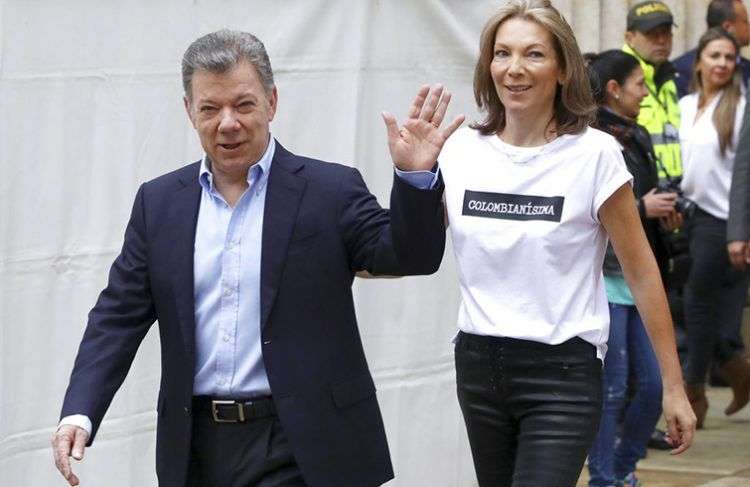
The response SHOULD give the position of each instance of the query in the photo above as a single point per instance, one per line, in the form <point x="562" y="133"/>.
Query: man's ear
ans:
<point x="186" y="102"/>
<point x="273" y="101"/>
<point x="728" y="26"/>
<point x="629" y="37"/>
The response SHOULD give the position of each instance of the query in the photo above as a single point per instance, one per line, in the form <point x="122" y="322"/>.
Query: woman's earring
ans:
<point x="617" y="97"/>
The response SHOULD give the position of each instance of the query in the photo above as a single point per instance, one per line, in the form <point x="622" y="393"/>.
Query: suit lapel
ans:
<point x="183" y="217"/>
<point x="283" y="196"/>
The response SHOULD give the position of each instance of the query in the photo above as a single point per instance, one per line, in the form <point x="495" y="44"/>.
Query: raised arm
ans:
<point x="416" y="145"/>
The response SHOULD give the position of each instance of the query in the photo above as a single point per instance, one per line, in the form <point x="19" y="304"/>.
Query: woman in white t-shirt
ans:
<point x="532" y="194"/>
<point x="715" y="292"/>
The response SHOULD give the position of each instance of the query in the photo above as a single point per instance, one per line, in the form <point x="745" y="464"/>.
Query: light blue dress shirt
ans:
<point x="419" y="179"/>
<point x="228" y="357"/>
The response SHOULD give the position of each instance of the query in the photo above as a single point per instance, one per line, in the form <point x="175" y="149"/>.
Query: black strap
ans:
<point x="228" y="409"/>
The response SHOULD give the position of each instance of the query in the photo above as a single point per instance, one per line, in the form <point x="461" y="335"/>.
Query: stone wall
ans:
<point x="600" y="24"/>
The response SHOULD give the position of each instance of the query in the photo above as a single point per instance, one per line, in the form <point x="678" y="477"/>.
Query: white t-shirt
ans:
<point x="527" y="236"/>
<point x="707" y="175"/>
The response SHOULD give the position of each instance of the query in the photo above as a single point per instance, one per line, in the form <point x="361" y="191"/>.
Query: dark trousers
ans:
<point x="531" y="410"/>
<point x="714" y="297"/>
<point x="255" y="453"/>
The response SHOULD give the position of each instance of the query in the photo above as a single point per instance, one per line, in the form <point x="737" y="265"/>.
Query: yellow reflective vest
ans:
<point x="660" y="115"/>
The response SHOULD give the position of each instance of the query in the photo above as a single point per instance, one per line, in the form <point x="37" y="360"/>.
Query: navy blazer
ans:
<point x="321" y="225"/>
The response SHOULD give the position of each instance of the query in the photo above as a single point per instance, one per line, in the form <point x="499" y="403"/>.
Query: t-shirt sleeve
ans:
<point x="611" y="174"/>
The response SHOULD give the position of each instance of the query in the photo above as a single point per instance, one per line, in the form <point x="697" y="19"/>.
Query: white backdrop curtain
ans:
<point x="90" y="107"/>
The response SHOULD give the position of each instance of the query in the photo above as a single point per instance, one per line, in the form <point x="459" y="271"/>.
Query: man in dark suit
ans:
<point x="737" y="371"/>
<point x="246" y="259"/>
<point x="738" y="224"/>
<point x="732" y="16"/>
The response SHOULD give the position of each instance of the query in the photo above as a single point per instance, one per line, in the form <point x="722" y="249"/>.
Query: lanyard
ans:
<point x="656" y="97"/>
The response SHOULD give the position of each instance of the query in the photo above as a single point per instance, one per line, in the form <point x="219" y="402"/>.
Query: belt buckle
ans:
<point x="215" y="411"/>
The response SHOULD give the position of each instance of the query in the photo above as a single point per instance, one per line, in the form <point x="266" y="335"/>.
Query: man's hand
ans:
<point x="680" y="419"/>
<point x="739" y="254"/>
<point x="416" y="146"/>
<point x="658" y="205"/>
<point x="68" y="440"/>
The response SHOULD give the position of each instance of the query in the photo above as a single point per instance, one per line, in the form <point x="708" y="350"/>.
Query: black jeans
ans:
<point x="531" y="410"/>
<point x="251" y="454"/>
<point x="714" y="296"/>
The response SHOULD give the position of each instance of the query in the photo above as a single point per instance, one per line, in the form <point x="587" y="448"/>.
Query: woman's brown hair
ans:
<point x="730" y="93"/>
<point x="574" y="107"/>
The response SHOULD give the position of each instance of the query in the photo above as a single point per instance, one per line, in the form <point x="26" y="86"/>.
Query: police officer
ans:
<point x="649" y="39"/>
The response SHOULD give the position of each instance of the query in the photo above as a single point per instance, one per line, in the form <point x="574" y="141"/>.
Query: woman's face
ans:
<point x="626" y="99"/>
<point x="716" y="64"/>
<point x="525" y="68"/>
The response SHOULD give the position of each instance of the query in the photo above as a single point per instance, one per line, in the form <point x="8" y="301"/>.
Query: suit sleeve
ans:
<point x="682" y="77"/>
<point x="116" y="326"/>
<point x="738" y="226"/>
<point x="407" y="240"/>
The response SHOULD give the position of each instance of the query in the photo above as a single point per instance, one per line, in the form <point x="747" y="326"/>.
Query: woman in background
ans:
<point x="715" y="292"/>
<point x="618" y="86"/>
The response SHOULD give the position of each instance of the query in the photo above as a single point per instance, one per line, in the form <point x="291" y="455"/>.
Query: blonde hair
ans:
<point x="730" y="93"/>
<point x="574" y="107"/>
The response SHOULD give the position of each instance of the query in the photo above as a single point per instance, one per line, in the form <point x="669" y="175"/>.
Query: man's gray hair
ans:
<point x="220" y="51"/>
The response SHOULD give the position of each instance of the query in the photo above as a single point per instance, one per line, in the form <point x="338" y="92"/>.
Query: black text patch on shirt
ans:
<point x="513" y="206"/>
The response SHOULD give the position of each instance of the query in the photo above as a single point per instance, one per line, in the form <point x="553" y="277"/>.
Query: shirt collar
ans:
<point x="257" y="175"/>
<point x="648" y="68"/>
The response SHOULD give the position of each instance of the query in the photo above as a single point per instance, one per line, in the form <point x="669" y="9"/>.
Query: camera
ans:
<point x="683" y="205"/>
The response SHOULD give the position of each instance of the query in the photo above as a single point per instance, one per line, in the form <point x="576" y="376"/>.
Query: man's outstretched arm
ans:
<point x="116" y="326"/>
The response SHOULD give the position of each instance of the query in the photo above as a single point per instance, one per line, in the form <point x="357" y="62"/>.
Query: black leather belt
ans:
<point x="235" y="411"/>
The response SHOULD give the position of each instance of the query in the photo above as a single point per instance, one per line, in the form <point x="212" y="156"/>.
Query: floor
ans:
<point x="719" y="457"/>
